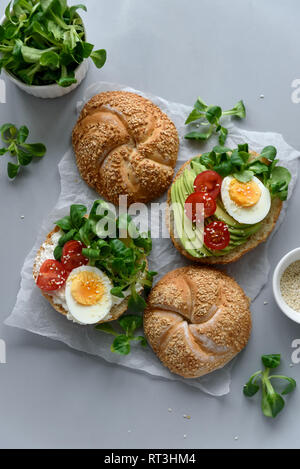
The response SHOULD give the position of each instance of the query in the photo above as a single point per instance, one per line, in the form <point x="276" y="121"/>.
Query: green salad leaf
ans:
<point x="43" y="42"/>
<point x="279" y="182"/>
<point x="15" y="145"/>
<point x="272" y="402"/>
<point x="240" y="163"/>
<point x="271" y="361"/>
<point x="122" y="258"/>
<point x="209" y="117"/>
<point x="129" y="324"/>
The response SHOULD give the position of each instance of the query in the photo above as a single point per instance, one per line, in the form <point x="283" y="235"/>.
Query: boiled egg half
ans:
<point x="246" y="202"/>
<point x="88" y="295"/>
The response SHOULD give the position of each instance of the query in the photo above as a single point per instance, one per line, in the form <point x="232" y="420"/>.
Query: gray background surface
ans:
<point x="52" y="396"/>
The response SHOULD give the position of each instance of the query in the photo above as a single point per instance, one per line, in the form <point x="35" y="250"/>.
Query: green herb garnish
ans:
<point x="241" y="164"/>
<point x="121" y="254"/>
<point x="15" y="140"/>
<point x="209" y="117"/>
<point x="272" y="402"/>
<point x="121" y="343"/>
<point x="43" y="41"/>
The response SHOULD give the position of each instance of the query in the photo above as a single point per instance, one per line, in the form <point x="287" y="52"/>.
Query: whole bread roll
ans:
<point x="125" y="145"/>
<point x="197" y="319"/>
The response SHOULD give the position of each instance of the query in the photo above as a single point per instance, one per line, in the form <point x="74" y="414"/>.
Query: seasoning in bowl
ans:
<point x="290" y="286"/>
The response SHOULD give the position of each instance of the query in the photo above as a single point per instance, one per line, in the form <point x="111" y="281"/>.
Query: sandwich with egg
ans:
<point x="224" y="203"/>
<point x="92" y="267"/>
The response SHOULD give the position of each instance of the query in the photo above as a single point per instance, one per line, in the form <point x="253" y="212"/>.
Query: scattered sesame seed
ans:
<point x="22" y="217"/>
<point x="236" y="438"/>
<point x="262" y="96"/>
<point x="266" y="303"/>
<point x="170" y="410"/>
<point x="184" y="436"/>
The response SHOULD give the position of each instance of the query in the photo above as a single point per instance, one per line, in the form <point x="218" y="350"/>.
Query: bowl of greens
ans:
<point x="43" y="47"/>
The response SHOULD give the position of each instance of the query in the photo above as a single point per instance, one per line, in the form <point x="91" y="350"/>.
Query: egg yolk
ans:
<point x="244" y="194"/>
<point x="87" y="288"/>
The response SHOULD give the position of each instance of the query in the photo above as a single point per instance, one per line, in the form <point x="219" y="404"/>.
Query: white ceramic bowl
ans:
<point x="287" y="260"/>
<point x="49" y="91"/>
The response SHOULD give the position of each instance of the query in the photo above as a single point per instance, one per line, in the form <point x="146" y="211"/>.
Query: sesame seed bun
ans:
<point x="197" y="319"/>
<point x="115" y="312"/>
<point x="125" y="145"/>
<point x="268" y="224"/>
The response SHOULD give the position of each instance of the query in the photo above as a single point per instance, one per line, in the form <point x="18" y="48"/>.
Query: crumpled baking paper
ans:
<point x="33" y="313"/>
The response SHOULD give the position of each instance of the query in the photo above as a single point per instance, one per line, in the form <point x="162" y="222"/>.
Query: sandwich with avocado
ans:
<point x="224" y="203"/>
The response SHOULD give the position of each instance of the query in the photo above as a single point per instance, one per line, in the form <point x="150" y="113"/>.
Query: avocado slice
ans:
<point x="189" y="235"/>
<point x="245" y="232"/>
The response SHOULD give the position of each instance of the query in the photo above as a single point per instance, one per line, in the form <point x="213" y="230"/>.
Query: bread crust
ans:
<point x="125" y="145"/>
<point x="115" y="312"/>
<point x="197" y="319"/>
<point x="261" y="236"/>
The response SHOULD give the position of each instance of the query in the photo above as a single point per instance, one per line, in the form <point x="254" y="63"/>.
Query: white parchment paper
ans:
<point x="33" y="313"/>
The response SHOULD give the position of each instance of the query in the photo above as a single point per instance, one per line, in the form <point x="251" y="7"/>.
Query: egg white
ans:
<point x="246" y="215"/>
<point x="94" y="313"/>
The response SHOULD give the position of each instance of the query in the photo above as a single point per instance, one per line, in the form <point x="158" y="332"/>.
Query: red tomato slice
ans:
<point x="193" y="209"/>
<point x="52" y="276"/>
<point x="72" y="256"/>
<point x="209" y="182"/>
<point x="216" y="235"/>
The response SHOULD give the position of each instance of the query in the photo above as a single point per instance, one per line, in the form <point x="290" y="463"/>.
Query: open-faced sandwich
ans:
<point x="91" y="268"/>
<point x="240" y="195"/>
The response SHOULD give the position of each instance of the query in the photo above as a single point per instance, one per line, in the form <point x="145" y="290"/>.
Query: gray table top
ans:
<point x="52" y="396"/>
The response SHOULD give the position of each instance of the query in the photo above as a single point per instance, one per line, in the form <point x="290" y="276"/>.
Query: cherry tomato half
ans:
<point x="209" y="182"/>
<point x="193" y="209"/>
<point x="52" y="276"/>
<point x="72" y="256"/>
<point x="216" y="235"/>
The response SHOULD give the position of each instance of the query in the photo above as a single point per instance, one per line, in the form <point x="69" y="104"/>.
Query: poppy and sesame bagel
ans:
<point x="125" y="145"/>
<point x="197" y="319"/>
<point x="267" y="226"/>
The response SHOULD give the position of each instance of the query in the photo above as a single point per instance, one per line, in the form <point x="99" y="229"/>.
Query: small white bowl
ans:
<point x="285" y="262"/>
<point x="49" y="91"/>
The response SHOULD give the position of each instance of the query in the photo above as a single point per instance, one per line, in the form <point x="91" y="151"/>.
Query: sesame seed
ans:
<point x="290" y="286"/>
